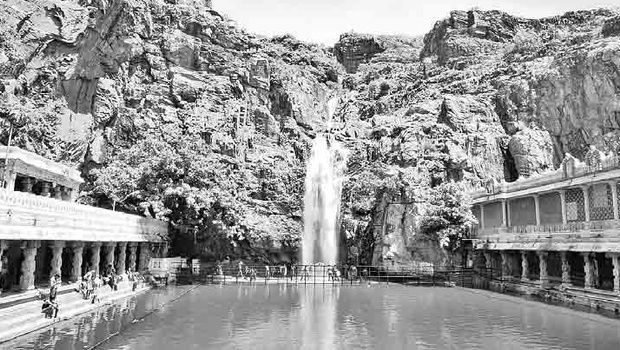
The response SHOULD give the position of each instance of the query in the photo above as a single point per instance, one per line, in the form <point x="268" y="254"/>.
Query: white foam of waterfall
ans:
<point x="323" y="187"/>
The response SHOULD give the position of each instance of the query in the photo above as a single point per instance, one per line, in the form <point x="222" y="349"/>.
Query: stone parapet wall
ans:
<point x="598" y="236"/>
<point x="24" y="216"/>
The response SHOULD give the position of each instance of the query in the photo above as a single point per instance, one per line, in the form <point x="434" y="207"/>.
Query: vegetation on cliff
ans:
<point x="172" y="111"/>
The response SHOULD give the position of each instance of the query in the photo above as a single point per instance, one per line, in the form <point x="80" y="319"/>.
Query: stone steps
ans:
<point x="26" y="317"/>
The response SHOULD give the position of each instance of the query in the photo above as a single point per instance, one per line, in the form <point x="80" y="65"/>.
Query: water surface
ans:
<point x="330" y="317"/>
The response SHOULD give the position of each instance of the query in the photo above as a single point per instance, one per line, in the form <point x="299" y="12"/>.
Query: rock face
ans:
<point x="354" y="49"/>
<point x="493" y="97"/>
<point x="95" y="83"/>
<point x="173" y="111"/>
<point x="611" y="27"/>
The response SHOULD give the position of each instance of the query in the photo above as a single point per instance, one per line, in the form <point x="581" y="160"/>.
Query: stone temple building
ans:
<point x="44" y="232"/>
<point x="559" y="230"/>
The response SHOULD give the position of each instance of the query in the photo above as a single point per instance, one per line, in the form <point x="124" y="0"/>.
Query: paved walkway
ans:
<point x="27" y="317"/>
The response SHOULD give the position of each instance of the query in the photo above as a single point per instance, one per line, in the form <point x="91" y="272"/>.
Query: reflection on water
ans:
<point x="331" y="317"/>
<point x="317" y="317"/>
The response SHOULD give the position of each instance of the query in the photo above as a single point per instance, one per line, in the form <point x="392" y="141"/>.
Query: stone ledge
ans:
<point x="19" y="326"/>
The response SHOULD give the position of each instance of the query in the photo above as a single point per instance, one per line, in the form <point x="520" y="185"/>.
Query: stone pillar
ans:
<point x="11" y="177"/>
<point x="563" y="203"/>
<point x="120" y="261"/>
<point x="29" y="249"/>
<point x="133" y="246"/>
<point x="566" y="281"/>
<point x="145" y="256"/>
<point x="76" y="264"/>
<point x="45" y="188"/>
<point x="109" y="254"/>
<point x="56" y="262"/>
<point x="525" y="266"/>
<point x="26" y="184"/>
<point x="481" y="216"/>
<point x="487" y="257"/>
<point x="508" y="219"/>
<point x="164" y="250"/>
<point x="537" y="209"/>
<point x="505" y="265"/>
<point x="586" y="202"/>
<point x="542" y="264"/>
<point x="57" y="192"/>
<point x="66" y="194"/>
<point x="95" y="249"/>
<point x="614" y="197"/>
<point x="588" y="268"/>
<point x="3" y="247"/>
<point x="615" y="260"/>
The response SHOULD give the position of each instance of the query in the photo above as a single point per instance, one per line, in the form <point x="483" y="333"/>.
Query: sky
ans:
<point x="323" y="21"/>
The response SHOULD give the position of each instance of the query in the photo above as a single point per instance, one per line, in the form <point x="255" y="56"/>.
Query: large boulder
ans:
<point x="532" y="151"/>
<point x="354" y="49"/>
<point x="611" y="27"/>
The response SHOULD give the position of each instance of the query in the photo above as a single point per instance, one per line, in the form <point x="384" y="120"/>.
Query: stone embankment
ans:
<point x="20" y="318"/>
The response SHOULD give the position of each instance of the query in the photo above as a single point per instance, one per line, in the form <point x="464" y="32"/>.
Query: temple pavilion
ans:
<point x="44" y="232"/>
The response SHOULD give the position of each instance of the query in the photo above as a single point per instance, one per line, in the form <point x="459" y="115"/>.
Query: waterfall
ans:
<point x="323" y="185"/>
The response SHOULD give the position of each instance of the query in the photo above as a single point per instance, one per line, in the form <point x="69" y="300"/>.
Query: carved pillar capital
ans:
<point x="30" y="244"/>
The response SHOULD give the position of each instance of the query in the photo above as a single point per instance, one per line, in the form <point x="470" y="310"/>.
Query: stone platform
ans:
<point x="24" y="317"/>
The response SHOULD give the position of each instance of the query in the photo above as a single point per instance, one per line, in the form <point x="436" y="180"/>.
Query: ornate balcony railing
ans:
<point x="607" y="229"/>
<point x="27" y="216"/>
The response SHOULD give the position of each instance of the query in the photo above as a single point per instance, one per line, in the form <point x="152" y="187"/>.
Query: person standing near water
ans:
<point x="54" y="284"/>
<point x="353" y="273"/>
<point x="240" y="269"/>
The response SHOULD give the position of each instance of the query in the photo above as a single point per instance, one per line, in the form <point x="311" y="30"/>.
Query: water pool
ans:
<point x="327" y="317"/>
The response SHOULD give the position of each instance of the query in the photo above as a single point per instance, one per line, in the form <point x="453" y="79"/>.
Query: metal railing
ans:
<point x="322" y="274"/>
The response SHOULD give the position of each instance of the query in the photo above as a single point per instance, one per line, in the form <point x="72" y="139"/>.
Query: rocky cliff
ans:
<point x="170" y="110"/>
<point x="487" y="97"/>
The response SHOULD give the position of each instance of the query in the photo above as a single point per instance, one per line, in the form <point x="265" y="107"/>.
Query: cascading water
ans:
<point x="324" y="175"/>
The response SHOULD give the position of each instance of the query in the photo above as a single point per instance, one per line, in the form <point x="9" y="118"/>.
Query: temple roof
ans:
<point x="31" y="164"/>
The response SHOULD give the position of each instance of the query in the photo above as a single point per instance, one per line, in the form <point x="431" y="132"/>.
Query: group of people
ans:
<point x="50" y="305"/>
<point x="91" y="282"/>
<point x="301" y="272"/>
<point x="88" y="287"/>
